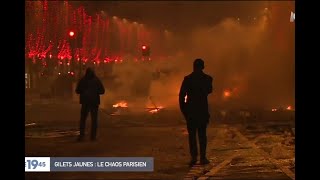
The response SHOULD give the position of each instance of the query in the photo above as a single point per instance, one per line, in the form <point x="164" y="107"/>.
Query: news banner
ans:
<point x="52" y="164"/>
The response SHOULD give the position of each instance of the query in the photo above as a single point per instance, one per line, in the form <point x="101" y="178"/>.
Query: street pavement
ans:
<point x="234" y="156"/>
<point x="260" y="150"/>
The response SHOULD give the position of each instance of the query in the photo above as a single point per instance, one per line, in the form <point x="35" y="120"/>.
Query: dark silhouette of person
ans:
<point x="90" y="88"/>
<point x="196" y="87"/>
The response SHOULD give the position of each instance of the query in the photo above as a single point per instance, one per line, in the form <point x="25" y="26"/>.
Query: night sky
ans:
<point x="177" y="15"/>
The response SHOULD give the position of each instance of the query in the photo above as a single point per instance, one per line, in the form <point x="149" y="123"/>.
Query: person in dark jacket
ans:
<point x="90" y="88"/>
<point x="193" y="103"/>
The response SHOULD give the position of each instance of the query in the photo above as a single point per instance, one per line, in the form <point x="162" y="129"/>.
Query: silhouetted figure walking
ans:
<point x="196" y="87"/>
<point x="90" y="88"/>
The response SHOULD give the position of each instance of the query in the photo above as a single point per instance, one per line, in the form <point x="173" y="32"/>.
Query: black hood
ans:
<point x="90" y="73"/>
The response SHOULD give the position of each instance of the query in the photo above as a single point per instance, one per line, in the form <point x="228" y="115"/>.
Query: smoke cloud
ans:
<point x="253" y="61"/>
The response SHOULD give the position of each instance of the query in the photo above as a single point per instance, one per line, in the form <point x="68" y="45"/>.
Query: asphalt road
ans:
<point x="256" y="150"/>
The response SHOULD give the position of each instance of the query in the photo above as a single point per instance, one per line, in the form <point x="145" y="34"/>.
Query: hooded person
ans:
<point x="89" y="88"/>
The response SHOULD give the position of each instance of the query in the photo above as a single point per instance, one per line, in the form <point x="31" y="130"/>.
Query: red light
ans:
<point x="71" y="33"/>
<point x="144" y="47"/>
<point x="72" y="73"/>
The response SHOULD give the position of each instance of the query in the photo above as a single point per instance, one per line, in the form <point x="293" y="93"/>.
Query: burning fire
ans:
<point x="226" y="93"/>
<point x="155" y="110"/>
<point x="288" y="108"/>
<point x="120" y="104"/>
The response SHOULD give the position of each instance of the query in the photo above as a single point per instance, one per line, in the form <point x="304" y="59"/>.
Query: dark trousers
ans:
<point x="85" y="109"/>
<point x="202" y="136"/>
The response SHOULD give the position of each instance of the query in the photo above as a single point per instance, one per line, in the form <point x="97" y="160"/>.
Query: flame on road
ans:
<point x="155" y="110"/>
<point x="226" y="93"/>
<point x="120" y="104"/>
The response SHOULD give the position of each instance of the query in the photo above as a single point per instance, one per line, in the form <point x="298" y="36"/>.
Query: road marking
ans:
<point x="213" y="170"/>
<point x="265" y="154"/>
<point x="252" y="144"/>
<point x="53" y="134"/>
<point x="222" y="165"/>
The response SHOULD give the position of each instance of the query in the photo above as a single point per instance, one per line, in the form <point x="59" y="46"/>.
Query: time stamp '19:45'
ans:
<point x="33" y="164"/>
<point x="37" y="164"/>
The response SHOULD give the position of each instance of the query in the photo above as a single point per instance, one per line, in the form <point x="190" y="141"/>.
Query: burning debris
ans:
<point x="122" y="107"/>
<point x="155" y="110"/>
<point x="119" y="108"/>
<point x="226" y="94"/>
<point x="288" y="108"/>
<point x="121" y="104"/>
